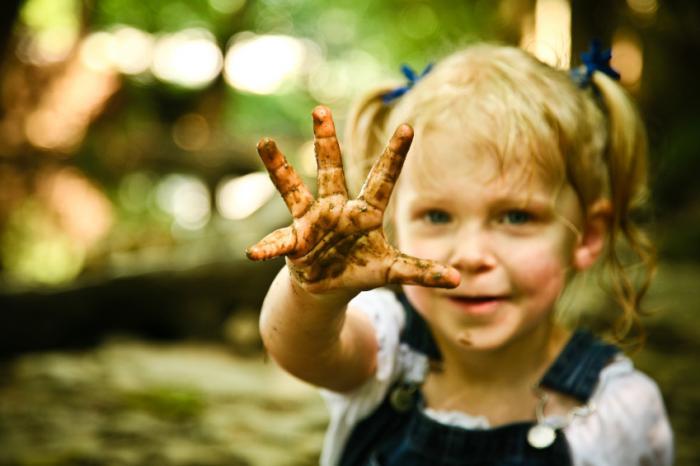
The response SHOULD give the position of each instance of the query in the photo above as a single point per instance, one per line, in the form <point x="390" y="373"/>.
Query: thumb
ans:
<point x="409" y="270"/>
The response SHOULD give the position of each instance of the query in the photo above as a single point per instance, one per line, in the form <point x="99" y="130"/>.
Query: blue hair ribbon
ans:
<point x="595" y="59"/>
<point x="411" y="77"/>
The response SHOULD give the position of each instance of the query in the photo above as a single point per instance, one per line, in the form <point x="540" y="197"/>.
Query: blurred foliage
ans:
<point x="168" y="402"/>
<point x="85" y="88"/>
<point x="145" y="129"/>
<point x="35" y="249"/>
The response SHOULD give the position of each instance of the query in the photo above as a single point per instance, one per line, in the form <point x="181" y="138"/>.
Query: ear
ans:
<point x="591" y="243"/>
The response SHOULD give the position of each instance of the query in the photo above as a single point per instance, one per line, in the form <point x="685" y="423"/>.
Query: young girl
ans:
<point x="518" y="179"/>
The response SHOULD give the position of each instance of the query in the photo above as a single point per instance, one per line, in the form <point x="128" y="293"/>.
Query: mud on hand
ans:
<point x="335" y="242"/>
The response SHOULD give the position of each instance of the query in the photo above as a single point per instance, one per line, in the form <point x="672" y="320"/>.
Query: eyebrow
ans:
<point x="517" y="200"/>
<point x="524" y="197"/>
<point x="525" y="200"/>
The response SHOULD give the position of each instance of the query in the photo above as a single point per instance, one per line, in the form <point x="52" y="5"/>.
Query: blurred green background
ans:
<point x="130" y="186"/>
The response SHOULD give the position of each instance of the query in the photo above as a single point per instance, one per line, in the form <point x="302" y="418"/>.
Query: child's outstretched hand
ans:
<point x="335" y="242"/>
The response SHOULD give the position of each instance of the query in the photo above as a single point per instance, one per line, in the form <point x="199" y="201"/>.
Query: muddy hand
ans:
<point x="334" y="242"/>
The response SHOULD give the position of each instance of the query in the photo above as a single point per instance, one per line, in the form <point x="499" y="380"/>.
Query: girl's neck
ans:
<point x="498" y="385"/>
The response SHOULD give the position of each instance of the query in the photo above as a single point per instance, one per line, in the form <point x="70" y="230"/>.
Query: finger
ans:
<point x="331" y="178"/>
<point x="408" y="270"/>
<point x="289" y="184"/>
<point x="278" y="243"/>
<point x="382" y="178"/>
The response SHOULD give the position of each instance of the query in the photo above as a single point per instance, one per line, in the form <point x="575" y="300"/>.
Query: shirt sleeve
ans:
<point x="347" y="409"/>
<point x="628" y="426"/>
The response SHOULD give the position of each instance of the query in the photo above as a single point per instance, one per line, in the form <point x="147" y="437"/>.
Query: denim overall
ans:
<point x="407" y="437"/>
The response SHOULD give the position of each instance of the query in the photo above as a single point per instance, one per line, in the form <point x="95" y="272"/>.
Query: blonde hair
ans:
<point x="593" y="139"/>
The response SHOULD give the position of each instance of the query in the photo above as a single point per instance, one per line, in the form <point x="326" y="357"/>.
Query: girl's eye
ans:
<point x="516" y="217"/>
<point x="437" y="216"/>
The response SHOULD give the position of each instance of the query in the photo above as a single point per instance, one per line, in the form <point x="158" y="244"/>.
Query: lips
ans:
<point x="478" y="305"/>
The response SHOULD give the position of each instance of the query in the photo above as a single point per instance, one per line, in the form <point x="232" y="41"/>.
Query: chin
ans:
<point x="480" y="339"/>
<point x="500" y="336"/>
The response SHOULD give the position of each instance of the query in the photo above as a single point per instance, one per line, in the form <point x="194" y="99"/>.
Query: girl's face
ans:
<point x="512" y="239"/>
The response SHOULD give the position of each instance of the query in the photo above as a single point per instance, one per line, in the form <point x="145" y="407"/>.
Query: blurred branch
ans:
<point x="9" y="9"/>
<point x="170" y="304"/>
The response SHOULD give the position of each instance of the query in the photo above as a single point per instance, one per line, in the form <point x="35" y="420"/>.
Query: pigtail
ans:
<point x="365" y="136"/>
<point x="626" y="158"/>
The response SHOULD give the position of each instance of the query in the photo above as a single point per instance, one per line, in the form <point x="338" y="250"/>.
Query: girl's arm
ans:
<point x="334" y="248"/>
<point x="313" y="337"/>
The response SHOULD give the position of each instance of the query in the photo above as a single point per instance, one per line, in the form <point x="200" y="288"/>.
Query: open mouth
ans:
<point x="477" y="299"/>
<point x="478" y="304"/>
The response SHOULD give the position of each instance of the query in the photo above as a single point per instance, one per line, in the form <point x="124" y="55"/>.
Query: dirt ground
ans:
<point x="134" y="402"/>
<point x="131" y="402"/>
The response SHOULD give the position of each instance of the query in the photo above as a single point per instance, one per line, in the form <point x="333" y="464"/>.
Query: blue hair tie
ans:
<point x="412" y="78"/>
<point x="595" y="59"/>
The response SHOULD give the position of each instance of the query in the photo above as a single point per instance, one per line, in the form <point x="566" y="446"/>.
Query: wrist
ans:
<point x="318" y="295"/>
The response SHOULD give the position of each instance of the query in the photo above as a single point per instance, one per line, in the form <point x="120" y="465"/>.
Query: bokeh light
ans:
<point x="418" y="21"/>
<point x="53" y="26"/>
<point x="135" y="191"/>
<point x="80" y="208"/>
<point x="627" y="57"/>
<point x="338" y="26"/>
<point x="643" y="7"/>
<point x="354" y="71"/>
<point x="186" y="198"/>
<point x="330" y="82"/>
<point x="69" y="104"/>
<point x="552" y="42"/>
<point x="49" y="235"/>
<point x="238" y="198"/>
<point x="307" y="158"/>
<point x="131" y="50"/>
<point x="189" y="58"/>
<point x="34" y="250"/>
<point x="227" y="6"/>
<point x="262" y="64"/>
<point x="191" y="132"/>
<point x="95" y="51"/>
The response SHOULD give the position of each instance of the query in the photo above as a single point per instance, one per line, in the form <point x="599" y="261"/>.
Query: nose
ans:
<point x="472" y="252"/>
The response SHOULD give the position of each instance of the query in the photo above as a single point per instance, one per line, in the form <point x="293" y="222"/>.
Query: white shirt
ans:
<point x="628" y="426"/>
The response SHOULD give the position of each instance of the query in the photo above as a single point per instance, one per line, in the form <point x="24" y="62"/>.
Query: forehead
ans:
<point x="446" y="158"/>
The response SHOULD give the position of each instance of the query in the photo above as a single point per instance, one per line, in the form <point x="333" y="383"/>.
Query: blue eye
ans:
<point x="437" y="216"/>
<point x="516" y="217"/>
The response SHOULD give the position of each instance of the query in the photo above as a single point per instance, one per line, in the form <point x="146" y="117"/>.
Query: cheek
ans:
<point x="541" y="269"/>
<point x="421" y="249"/>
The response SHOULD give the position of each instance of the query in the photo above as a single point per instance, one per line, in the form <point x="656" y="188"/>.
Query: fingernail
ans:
<point x="265" y="144"/>
<point x="250" y="254"/>
<point x="404" y="131"/>
<point x="320" y="112"/>
<point x="453" y="277"/>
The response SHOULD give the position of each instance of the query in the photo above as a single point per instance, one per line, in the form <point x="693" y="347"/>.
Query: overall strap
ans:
<point x="576" y="370"/>
<point x="382" y="426"/>
<point x="416" y="332"/>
